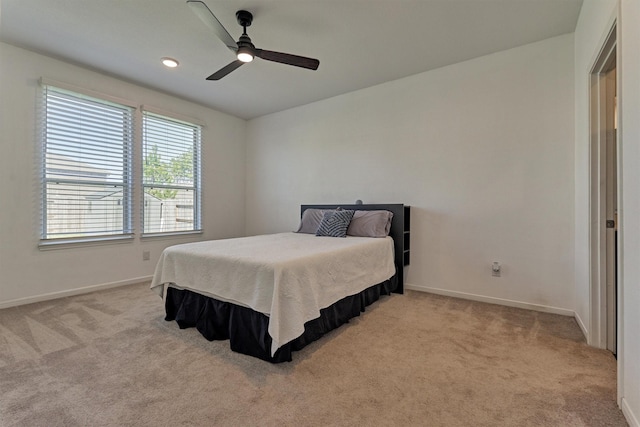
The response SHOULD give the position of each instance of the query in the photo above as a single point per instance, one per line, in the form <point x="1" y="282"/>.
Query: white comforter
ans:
<point x="287" y="276"/>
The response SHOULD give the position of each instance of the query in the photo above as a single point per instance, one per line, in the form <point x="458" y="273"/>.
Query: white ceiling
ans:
<point x="359" y="43"/>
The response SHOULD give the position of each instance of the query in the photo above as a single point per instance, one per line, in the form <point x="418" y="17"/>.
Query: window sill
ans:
<point x="52" y="244"/>
<point x="178" y="234"/>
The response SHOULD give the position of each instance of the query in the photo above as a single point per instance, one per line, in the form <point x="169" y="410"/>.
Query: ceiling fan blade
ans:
<point x="205" y="14"/>
<point x="286" y="58"/>
<point x="225" y="70"/>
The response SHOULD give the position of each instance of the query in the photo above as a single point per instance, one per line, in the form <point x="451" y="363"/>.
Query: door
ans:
<point x="611" y="203"/>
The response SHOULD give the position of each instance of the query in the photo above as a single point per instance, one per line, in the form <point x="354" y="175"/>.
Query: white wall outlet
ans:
<point x="495" y="269"/>
<point x="146" y="255"/>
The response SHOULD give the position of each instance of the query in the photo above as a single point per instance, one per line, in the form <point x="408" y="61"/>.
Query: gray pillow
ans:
<point x="335" y="223"/>
<point x="311" y="219"/>
<point x="370" y="224"/>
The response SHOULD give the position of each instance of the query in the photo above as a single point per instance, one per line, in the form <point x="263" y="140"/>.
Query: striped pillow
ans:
<point x="335" y="223"/>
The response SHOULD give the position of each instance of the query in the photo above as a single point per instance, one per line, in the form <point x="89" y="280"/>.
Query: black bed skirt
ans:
<point x="247" y="330"/>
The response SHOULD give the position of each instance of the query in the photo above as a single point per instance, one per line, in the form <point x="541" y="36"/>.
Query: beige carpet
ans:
<point x="109" y="359"/>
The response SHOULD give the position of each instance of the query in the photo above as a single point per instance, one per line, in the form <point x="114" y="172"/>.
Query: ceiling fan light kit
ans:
<point x="244" y="49"/>
<point x="245" y="55"/>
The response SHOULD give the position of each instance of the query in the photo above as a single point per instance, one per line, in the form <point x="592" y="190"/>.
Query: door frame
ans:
<point x="607" y="58"/>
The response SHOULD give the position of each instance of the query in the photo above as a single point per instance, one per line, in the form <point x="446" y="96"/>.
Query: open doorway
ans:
<point x="604" y="197"/>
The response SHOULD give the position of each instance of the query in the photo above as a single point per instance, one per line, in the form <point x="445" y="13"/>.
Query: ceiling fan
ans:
<point x="245" y="50"/>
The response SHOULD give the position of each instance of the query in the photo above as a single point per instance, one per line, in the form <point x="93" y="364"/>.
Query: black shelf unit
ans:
<point x="406" y="243"/>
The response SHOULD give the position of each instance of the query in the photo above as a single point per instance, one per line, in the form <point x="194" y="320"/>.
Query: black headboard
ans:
<point x="399" y="231"/>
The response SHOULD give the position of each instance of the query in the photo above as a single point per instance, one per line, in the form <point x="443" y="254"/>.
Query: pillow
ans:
<point x="335" y="223"/>
<point x="311" y="219"/>
<point x="370" y="224"/>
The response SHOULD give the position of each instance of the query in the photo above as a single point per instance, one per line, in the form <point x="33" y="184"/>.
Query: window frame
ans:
<point x="196" y="187"/>
<point x="126" y="183"/>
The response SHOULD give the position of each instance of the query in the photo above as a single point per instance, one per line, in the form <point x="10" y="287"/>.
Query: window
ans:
<point x="86" y="167"/>
<point x="171" y="175"/>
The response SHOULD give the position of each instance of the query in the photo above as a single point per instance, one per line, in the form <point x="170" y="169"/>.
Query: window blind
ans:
<point x="86" y="166"/>
<point x="171" y="175"/>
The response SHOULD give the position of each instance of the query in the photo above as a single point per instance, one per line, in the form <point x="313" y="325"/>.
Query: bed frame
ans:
<point x="247" y="330"/>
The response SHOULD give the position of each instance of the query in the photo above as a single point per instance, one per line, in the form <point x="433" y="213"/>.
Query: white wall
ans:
<point x="27" y="273"/>
<point x="629" y="355"/>
<point x="481" y="150"/>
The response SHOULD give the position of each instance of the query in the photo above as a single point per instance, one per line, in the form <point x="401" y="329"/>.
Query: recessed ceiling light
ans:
<point x="170" y="62"/>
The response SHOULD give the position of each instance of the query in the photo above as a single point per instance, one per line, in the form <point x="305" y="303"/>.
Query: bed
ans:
<point x="270" y="295"/>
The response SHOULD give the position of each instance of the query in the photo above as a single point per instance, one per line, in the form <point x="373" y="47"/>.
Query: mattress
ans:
<point x="289" y="277"/>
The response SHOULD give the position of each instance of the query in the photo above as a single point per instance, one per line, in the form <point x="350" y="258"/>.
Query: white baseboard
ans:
<point x="582" y="326"/>
<point x="71" y="292"/>
<point x="491" y="300"/>
<point x="628" y="414"/>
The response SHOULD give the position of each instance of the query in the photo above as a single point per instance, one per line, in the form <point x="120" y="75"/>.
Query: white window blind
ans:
<point x="86" y="173"/>
<point x="171" y="175"/>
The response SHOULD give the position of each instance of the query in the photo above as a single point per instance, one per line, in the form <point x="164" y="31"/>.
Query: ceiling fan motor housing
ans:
<point x="245" y="41"/>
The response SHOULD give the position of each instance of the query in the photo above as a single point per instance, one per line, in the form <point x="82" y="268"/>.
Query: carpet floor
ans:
<point x="109" y="359"/>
